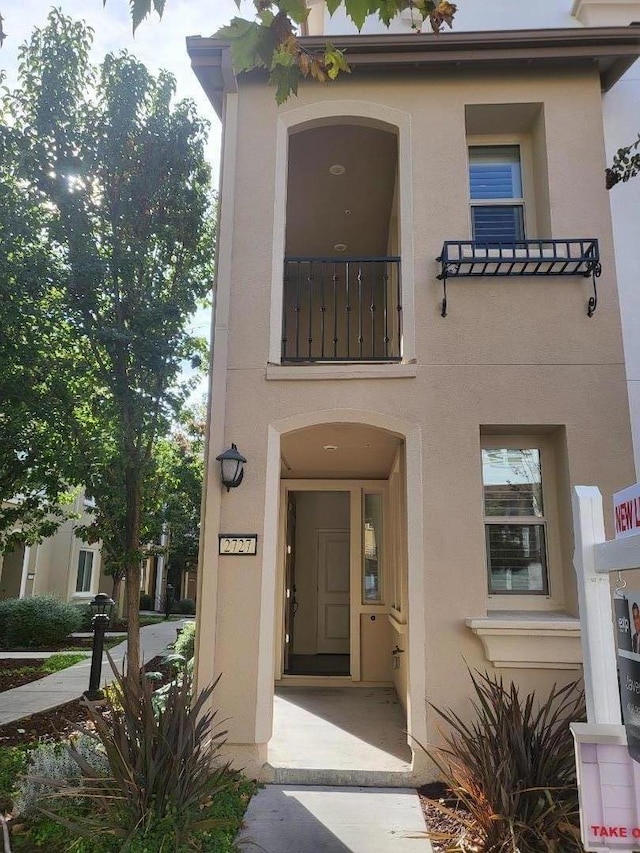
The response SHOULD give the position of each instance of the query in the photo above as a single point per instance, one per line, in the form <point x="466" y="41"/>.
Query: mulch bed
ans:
<point x="80" y="643"/>
<point x="14" y="672"/>
<point x="58" y="723"/>
<point x="451" y="826"/>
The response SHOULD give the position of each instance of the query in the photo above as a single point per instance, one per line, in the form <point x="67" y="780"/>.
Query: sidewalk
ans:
<point x="70" y="683"/>
<point x="299" y="819"/>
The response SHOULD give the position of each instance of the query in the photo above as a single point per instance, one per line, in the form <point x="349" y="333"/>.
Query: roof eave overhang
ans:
<point x="612" y="50"/>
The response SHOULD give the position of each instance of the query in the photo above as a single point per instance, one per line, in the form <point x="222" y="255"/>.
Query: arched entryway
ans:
<point x="344" y="493"/>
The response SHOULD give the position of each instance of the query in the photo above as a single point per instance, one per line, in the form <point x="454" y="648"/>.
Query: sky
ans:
<point x="159" y="44"/>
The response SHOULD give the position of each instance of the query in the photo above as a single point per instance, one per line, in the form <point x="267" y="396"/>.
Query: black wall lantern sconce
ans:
<point x="231" y="467"/>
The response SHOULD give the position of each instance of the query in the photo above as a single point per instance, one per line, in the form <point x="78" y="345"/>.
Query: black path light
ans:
<point x="231" y="467"/>
<point x="102" y="608"/>
<point x="168" y="599"/>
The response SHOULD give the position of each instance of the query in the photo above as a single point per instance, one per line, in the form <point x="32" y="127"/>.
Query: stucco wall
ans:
<point x="512" y="353"/>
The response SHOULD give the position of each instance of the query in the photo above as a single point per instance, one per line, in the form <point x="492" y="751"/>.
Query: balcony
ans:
<point x="501" y="259"/>
<point x="338" y="309"/>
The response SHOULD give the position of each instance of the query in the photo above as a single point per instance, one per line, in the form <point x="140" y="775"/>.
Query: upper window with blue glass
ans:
<point x="497" y="203"/>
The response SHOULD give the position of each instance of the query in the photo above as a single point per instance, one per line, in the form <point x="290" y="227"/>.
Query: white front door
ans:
<point x="334" y="566"/>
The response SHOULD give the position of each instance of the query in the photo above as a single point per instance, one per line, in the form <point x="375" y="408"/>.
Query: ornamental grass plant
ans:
<point x="512" y="769"/>
<point x="164" y="765"/>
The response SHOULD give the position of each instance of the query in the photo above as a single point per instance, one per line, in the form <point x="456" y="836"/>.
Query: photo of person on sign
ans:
<point x="635" y="637"/>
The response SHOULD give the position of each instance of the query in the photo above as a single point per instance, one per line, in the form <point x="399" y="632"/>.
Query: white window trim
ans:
<point x="523" y="141"/>
<point x="554" y="599"/>
<point x="96" y="569"/>
<point x="82" y="551"/>
<point x="330" y="112"/>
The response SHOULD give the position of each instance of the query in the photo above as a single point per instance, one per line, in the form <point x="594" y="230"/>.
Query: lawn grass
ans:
<point x="61" y="661"/>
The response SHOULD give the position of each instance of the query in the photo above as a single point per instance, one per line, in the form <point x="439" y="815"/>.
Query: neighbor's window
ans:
<point x="372" y="547"/>
<point x="515" y="524"/>
<point x="497" y="203"/>
<point x="85" y="567"/>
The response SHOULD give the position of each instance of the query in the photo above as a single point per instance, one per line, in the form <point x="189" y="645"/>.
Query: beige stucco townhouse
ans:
<point x="60" y="565"/>
<point x="417" y="348"/>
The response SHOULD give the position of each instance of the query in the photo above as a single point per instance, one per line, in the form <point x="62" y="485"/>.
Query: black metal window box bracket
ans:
<point x="472" y="259"/>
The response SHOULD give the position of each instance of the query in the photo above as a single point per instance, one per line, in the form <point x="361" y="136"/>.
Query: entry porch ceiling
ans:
<point x="353" y="208"/>
<point x="363" y="453"/>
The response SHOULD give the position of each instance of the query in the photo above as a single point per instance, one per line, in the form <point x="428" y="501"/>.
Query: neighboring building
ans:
<point x="62" y="564"/>
<point x="410" y="459"/>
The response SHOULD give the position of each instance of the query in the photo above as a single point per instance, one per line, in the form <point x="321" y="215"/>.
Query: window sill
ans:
<point x="529" y="640"/>
<point x="341" y="371"/>
<point x="82" y="595"/>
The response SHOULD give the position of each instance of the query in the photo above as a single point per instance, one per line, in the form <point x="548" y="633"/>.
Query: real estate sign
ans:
<point x="626" y="511"/>
<point x="627" y="614"/>
<point x="609" y="789"/>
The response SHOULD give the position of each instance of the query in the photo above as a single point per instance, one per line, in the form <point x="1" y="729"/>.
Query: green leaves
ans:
<point x="251" y="44"/>
<point x="140" y="9"/>
<point x="335" y="62"/>
<point x="358" y="10"/>
<point x="296" y="10"/>
<point x="286" y="79"/>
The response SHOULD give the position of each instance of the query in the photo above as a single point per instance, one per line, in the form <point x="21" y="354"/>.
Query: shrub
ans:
<point x="39" y="622"/>
<point x="86" y="616"/>
<point x="52" y="762"/>
<point x="185" y="644"/>
<point x="146" y="601"/>
<point x="13" y="760"/>
<point x="513" y="767"/>
<point x="187" y="606"/>
<point x="164" y="768"/>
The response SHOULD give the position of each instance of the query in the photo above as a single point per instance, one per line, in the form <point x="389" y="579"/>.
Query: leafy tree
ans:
<point x="179" y="470"/>
<point x="33" y="492"/>
<point x="120" y="169"/>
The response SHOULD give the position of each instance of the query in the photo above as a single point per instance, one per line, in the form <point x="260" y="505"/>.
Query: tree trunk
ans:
<point x="133" y="625"/>
<point x="132" y="576"/>
<point x="115" y="593"/>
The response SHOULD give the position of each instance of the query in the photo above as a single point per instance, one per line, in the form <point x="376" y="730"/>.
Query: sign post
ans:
<point x="608" y="777"/>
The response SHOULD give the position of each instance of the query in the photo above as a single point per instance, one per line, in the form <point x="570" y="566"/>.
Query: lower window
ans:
<point x="85" y="568"/>
<point x="516" y="558"/>
<point x="515" y="523"/>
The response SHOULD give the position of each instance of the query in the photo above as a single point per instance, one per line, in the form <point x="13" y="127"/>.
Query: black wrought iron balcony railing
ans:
<point x="499" y="259"/>
<point x="341" y="309"/>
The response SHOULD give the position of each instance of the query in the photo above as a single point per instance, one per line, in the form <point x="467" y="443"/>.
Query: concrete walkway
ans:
<point x="70" y="683"/>
<point x="296" y="819"/>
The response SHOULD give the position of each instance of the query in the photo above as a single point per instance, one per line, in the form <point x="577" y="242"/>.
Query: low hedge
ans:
<point x="42" y="621"/>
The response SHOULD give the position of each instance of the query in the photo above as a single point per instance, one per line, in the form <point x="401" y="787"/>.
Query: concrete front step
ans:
<point x="341" y="778"/>
<point x="298" y="819"/>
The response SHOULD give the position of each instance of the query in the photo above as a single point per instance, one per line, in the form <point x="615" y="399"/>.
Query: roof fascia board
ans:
<point x="612" y="49"/>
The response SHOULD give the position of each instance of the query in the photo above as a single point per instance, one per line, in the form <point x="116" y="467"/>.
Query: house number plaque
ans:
<point x="238" y="544"/>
